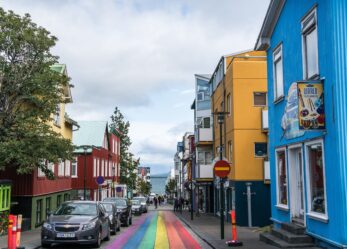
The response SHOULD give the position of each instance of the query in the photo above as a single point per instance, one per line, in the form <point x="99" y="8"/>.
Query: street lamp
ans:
<point x="85" y="172"/>
<point x="220" y="119"/>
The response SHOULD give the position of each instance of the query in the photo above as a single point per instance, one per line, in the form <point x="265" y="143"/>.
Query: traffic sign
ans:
<point x="100" y="180"/>
<point x="221" y="168"/>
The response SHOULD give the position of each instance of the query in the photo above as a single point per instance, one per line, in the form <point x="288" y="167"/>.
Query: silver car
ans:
<point x="77" y="222"/>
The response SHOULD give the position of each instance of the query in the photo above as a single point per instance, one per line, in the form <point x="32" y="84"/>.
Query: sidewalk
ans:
<point x="29" y="239"/>
<point x="207" y="227"/>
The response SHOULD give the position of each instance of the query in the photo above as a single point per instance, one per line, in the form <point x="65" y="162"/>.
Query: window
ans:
<point x="94" y="167"/>
<point x="38" y="212"/>
<point x="204" y="157"/>
<point x="259" y="99"/>
<point x="200" y="96"/>
<point x="102" y="168"/>
<point x="40" y="173"/>
<point x="222" y="106"/>
<point x="229" y="104"/>
<point x="310" y="45"/>
<point x="110" y="168"/>
<point x="281" y="168"/>
<point x="67" y="167"/>
<point x="316" y="178"/>
<point x="260" y="149"/>
<point x="61" y="168"/>
<point x="278" y="73"/>
<point x="58" y="200"/>
<point x="74" y="167"/>
<point x="97" y="167"/>
<point x="230" y="151"/>
<point x="48" y="205"/>
<point x="66" y="197"/>
<point x="56" y="117"/>
<point x="51" y="166"/>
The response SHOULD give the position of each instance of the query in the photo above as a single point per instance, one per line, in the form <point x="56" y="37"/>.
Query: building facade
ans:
<point x="34" y="194"/>
<point x="307" y="89"/>
<point x="203" y="155"/>
<point x="97" y="155"/>
<point x="239" y="89"/>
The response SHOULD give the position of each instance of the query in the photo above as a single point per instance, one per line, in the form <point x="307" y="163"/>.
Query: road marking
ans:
<point x="161" y="241"/>
<point x="174" y="239"/>
<point x="148" y="241"/>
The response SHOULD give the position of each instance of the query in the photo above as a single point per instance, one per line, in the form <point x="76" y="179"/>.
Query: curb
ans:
<point x="196" y="233"/>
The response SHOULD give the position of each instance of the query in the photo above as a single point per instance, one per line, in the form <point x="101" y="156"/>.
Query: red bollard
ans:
<point x="9" y="232"/>
<point x="14" y="233"/>
<point x="233" y="242"/>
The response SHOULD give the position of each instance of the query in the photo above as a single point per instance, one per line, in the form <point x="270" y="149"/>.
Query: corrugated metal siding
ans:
<point x="339" y="10"/>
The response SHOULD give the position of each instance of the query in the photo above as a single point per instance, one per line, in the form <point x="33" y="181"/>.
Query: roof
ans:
<point x="206" y="76"/>
<point x="90" y="133"/>
<point x="271" y="18"/>
<point x="70" y="120"/>
<point x="61" y="68"/>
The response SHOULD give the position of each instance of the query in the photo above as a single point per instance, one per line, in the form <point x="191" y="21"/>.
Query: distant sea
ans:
<point x="158" y="183"/>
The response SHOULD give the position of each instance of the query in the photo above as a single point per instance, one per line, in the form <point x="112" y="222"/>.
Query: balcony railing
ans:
<point x="204" y="135"/>
<point x="264" y="120"/>
<point x="206" y="171"/>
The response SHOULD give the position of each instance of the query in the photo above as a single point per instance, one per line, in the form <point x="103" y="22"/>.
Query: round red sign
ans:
<point x="221" y="168"/>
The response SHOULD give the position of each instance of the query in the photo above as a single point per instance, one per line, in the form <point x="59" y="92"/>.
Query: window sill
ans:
<point x="282" y="207"/>
<point x="279" y="99"/>
<point x="260" y="157"/>
<point x="319" y="217"/>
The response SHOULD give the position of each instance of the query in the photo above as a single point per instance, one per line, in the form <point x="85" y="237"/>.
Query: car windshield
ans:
<point x="135" y="202"/>
<point x="141" y="199"/>
<point x="110" y="199"/>
<point x="108" y="207"/>
<point x="88" y="209"/>
<point x="121" y="203"/>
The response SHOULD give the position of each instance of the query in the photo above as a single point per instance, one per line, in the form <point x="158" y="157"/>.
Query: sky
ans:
<point x="141" y="56"/>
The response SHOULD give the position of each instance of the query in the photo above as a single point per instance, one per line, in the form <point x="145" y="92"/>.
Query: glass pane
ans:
<point x="315" y="157"/>
<point x="311" y="53"/>
<point x="208" y="157"/>
<point x="282" y="178"/>
<point x="206" y="122"/>
<point x="260" y="149"/>
<point x="260" y="99"/>
<point x="279" y="78"/>
<point x="201" y="157"/>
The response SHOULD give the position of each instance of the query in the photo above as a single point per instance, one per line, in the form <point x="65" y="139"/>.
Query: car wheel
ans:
<point x="98" y="241"/>
<point x="108" y="236"/>
<point x="45" y="245"/>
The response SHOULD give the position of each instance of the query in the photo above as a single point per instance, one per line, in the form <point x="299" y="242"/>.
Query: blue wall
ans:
<point x="288" y="32"/>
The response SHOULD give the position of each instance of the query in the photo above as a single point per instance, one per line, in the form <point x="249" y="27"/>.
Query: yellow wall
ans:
<point x="244" y="76"/>
<point x="64" y="129"/>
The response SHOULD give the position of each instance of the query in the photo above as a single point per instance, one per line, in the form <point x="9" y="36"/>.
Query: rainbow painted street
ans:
<point x="156" y="229"/>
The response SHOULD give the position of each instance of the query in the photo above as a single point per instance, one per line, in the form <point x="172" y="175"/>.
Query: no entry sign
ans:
<point x="221" y="168"/>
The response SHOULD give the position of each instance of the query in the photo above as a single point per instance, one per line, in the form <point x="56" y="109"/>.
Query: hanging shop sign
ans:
<point x="311" y="106"/>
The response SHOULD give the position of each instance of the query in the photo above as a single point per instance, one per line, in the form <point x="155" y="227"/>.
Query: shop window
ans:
<point x="259" y="99"/>
<point x="316" y="178"/>
<point x="281" y="168"/>
<point x="310" y="45"/>
<point x="260" y="149"/>
<point x="38" y="212"/>
<point x="278" y="73"/>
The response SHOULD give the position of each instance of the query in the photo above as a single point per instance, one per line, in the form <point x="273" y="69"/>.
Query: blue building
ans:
<point x="307" y="98"/>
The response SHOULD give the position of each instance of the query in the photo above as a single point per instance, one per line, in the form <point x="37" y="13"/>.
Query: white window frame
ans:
<point x="278" y="204"/>
<point x="51" y="166"/>
<point x="61" y="166"/>
<point x="74" y="163"/>
<point x="67" y="168"/>
<point x="259" y="93"/>
<point x="95" y="167"/>
<point x="205" y="162"/>
<point x="309" y="24"/>
<point x="312" y="214"/>
<point x="102" y="167"/>
<point x="277" y="55"/>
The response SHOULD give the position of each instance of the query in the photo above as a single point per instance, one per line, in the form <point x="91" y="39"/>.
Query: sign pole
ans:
<point x="221" y="119"/>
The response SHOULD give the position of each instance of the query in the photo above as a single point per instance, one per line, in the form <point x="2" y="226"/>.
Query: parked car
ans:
<point x="136" y="207"/>
<point x="144" y="204"/>
<point x="123" y="208"/>
<point x="77" y="222"/>
<point x="113" y="216"/>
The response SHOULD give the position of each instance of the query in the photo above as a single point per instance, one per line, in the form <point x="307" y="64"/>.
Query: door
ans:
<point x="297" y="203"/>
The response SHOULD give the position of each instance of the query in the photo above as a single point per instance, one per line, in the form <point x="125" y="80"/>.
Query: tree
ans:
<point x="128" y="167"/>
<point x="29" y="94"/>
<point x="170" y="187"/>
<point x="143" y="187"/>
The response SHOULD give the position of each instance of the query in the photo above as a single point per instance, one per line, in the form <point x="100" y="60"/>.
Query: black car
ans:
<point x="123" y="208"/>
<point x="113" y="216"/>
<point x="77" y="222"/>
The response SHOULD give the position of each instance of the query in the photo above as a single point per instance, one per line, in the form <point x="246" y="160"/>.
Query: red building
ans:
<point x="97" y="156"/>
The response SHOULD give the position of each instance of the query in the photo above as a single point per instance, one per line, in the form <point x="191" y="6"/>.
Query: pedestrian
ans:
<point x="159" y="200"/>
<point x="182" y="203"/>
<point x="155" y="200"/>
<point x="175" y="204"/>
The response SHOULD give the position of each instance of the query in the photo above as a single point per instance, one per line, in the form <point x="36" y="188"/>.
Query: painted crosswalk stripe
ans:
<point x="161" y="241"/>
<point x="150" y="235"/>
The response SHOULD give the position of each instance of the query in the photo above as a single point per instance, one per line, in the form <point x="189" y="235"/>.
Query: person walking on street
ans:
<point x="155" y="200"/>
<point x="176" y="204"/>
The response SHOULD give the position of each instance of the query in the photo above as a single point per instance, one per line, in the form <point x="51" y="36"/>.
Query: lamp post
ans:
<point x="220" y="119"/>
<point x="85" y="172"/>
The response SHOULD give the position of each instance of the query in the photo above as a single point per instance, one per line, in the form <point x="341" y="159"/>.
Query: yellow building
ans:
<point x="239" y="86"/>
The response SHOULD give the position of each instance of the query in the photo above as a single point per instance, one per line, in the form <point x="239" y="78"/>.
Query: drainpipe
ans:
<point x="249" y="203"/>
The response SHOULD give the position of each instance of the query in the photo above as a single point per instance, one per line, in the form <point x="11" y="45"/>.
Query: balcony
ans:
<point x="204" y="136"/>
<point x="264" y="120"/>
